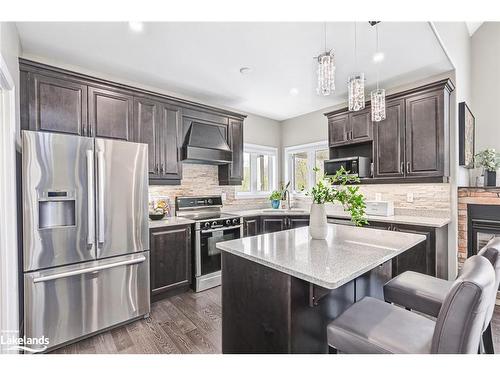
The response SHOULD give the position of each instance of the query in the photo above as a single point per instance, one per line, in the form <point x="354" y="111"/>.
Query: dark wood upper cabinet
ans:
<point x="389" y="142"/>
<point x="425" y="134"/>
<point x="147" y="129"/>
<point x="170" y="260"/>
<point x="337" y="129"/>
<point x="170" y="142"/>
<point x="55" y="105"/>
<point x="410" y="145"/>
<point x="110" y="113"/>
<point x="360" y="126"/>
<point x="232" y="174"/>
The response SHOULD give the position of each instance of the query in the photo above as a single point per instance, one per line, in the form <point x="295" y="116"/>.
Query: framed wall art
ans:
<point x="466" y="135"/>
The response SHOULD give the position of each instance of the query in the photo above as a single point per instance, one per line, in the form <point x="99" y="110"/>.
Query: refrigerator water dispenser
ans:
<point x="56" y="210"/>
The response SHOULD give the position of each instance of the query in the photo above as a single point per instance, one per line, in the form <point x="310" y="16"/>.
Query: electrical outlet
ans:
<point x="409" y="197"/>
<point x="223" y="196"/>
<point x="378" y="197"/>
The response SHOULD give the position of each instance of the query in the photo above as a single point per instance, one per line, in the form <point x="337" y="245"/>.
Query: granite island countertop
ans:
<point x="426" y="221"/>
<point x="345" y="254"/>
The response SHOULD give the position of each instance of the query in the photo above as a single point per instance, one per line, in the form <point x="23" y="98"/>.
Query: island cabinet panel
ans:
<point x="251" y="226"/>
<point x="389" y="142"/>
<point x="232" y="173"/>
<point x="170" y="260"/>
<point x="425" y="134"/>
<point x="53" y="104"/>
<point x="110" y="113"/>
<point x="267" y="311"/>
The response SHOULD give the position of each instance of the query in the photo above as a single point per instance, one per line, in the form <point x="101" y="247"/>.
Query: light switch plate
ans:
<point x="224" y="197"/>
<point x="409" y="197"/>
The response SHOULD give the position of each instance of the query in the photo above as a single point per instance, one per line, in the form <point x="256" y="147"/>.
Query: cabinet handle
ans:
<point x="351" y="135"/>
<point x="157" y="168"/>
<point x="402" y="168"/>
<point x="346" y="136"/>
<point x="408" y="167"/>
<point x="162" y="170"/>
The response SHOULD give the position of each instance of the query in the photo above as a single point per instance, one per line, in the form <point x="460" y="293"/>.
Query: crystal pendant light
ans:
<point x="326" y="72"/>
<point x="378" y="95"/>
<point x="356" y="83"/>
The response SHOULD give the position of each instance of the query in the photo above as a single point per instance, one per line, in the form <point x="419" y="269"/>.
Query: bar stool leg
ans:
<point x="488" y="341"/>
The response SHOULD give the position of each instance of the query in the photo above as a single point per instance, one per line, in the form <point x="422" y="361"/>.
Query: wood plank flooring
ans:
<point x="187" y="323"/>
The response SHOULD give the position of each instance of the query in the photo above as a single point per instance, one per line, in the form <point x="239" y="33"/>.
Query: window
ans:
<point x="300" y="162"/>
<point x="259" y="171"/>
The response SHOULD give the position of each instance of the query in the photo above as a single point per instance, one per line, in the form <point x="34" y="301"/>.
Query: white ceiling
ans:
<point x="202" y="60"/>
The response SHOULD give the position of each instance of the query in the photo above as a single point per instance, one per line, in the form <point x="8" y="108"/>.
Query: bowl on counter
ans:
<point x="156" y="216"/>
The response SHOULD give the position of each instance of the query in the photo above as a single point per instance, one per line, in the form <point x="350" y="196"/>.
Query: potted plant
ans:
<point x="275" y="198"/>
<point x="335" y="189"/>
<point x="489" y="160"/>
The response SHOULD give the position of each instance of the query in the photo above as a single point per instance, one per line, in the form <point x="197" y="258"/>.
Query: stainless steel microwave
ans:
<point x="358" y="165"/>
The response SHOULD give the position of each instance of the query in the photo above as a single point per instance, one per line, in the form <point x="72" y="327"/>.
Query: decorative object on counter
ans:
<point x="159" y="207"/>
<point x="275" y="198"/>
<point x="489" y="160"/>
<point x="480" y="181"/>
<point x="335" y="189"/>
<point x="356" y="82"/>
<point x="326" y="71"/>
<point x="466" y="135"/>
<point x="377" y="96"/>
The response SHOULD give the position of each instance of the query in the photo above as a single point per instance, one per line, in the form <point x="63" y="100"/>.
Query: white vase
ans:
<point x="318" y="228"/>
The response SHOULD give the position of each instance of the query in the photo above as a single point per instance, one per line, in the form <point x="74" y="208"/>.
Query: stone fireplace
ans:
<point x="478" y="219"/>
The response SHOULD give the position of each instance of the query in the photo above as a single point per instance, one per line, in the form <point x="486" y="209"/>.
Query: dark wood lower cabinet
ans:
<point x="270" y="224"/>
<point x="170" y="260"/>
<point x="251" y="226"/>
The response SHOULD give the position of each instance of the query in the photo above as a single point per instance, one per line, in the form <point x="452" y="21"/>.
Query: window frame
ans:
<point x="253" y="150"/>
<point x="310" y="149"/>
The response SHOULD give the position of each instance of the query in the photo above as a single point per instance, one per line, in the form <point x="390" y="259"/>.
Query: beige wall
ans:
<point x="486" y="85"/>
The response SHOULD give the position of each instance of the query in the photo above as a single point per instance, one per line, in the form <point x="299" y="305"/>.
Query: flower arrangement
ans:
<point x="488" y="159"/>
<point x="338" y="189"/>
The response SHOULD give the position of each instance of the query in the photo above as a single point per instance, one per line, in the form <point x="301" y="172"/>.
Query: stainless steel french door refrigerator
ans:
<point x="85" y="234"/>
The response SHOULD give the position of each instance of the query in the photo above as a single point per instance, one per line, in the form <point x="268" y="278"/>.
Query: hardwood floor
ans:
<point x="188" y="323"/>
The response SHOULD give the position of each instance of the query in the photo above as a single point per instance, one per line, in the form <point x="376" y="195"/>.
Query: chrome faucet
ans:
<point x="286" y="195"/>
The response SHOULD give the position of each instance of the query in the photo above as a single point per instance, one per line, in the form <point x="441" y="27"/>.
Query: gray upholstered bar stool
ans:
<point x="373" y="326"/>
<point x="426" y="294"/>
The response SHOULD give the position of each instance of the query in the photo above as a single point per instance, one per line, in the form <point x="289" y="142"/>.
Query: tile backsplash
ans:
<point x="199" y="179"/>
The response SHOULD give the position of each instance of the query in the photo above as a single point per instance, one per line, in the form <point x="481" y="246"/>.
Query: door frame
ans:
<point x="9" y="267"/>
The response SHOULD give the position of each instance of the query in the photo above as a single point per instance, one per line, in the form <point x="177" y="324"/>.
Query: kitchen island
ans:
<point x="280" y="290"/>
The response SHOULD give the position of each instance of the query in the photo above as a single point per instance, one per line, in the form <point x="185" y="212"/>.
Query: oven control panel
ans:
<point x="219" y="223"/>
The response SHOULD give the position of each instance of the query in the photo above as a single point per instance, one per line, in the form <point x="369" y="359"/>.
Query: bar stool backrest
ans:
<point x="461" y="319"/>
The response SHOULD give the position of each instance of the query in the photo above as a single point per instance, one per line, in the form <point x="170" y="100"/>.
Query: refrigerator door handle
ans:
<point x="100" y="198"/>
<point x="90" y="199"/>
<point x="88" y="270"/>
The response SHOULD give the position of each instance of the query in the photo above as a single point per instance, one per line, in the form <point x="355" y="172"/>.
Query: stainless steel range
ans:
<point x="212" y="226"/>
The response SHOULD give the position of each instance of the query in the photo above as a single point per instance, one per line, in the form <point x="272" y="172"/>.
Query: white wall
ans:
<point x="456" y="42"/>
<point x="9" y="121"/>
<point x="486" y="85"/>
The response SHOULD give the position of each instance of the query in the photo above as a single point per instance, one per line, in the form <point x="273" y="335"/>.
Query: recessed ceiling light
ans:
<point x="245" y="70"/>
<point x="136" y="26"/>
<point x="378" y="57"/>
<point x="294" y="91"/>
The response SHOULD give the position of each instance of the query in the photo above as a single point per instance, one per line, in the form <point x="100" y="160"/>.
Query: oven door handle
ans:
<point x="221" y="229"/>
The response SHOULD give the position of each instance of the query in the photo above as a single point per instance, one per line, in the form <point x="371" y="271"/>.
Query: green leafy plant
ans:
<point x="275" y="196"/>
<point x="338" y="189"/>
<point x="488" y="159"/>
